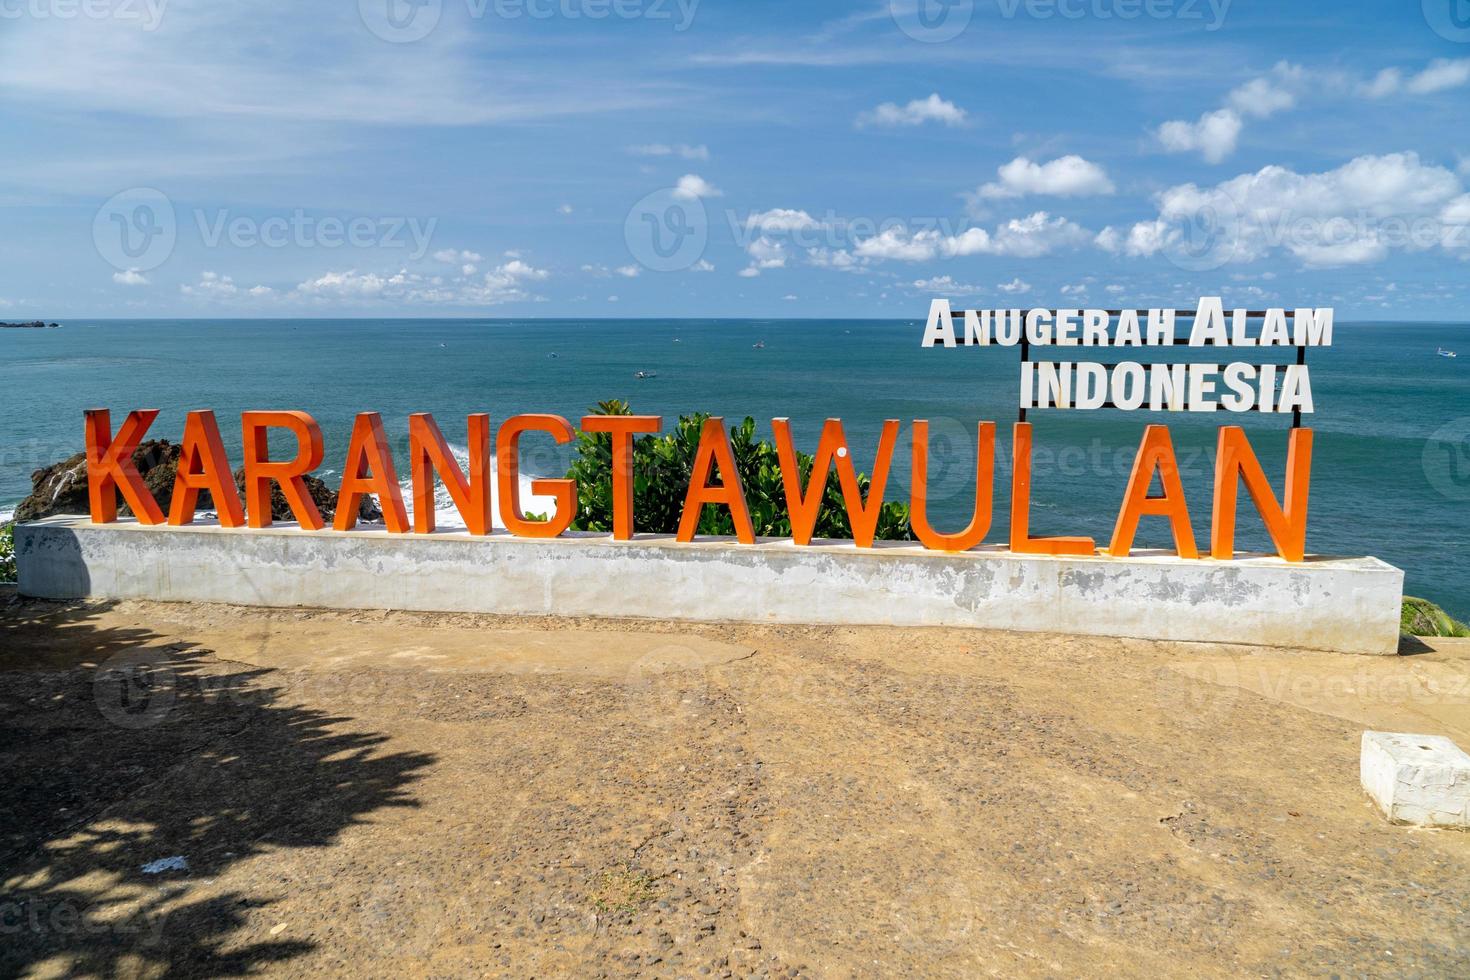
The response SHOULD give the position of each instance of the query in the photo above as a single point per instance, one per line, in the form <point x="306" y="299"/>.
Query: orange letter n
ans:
<point x="110" y="468"/>
<point x="1286" y="524"/>
<point x="429" y="453"/>
<point x="261" y="470"/>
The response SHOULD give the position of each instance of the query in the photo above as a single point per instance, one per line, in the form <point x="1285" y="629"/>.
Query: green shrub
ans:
<point x="7" y="552"/>
<point x="662" y="465"/>
<point x="1420" y="617"/>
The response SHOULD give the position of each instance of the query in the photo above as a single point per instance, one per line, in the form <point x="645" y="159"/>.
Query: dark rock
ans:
<point x="61" y="488"/>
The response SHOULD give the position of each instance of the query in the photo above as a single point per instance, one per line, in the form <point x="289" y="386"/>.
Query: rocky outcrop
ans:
<point x="62" y="488"/>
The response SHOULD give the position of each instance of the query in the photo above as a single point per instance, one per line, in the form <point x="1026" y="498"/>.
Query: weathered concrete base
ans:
<point x="1417" y="779"/>
<point x="1345" y="604"/>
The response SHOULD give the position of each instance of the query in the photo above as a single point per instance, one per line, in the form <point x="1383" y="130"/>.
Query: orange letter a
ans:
<point x="203" y="465"/>
<point x="1156" y="452"/>
<point x="369" y="469"/>
<point x="715" y="452"/>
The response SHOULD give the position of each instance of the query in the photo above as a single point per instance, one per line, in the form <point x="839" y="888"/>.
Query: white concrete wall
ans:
<point x="1347" y="604"/>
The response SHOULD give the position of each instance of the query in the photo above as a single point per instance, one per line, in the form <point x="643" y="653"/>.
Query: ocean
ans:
<point x="1390" y="477"/>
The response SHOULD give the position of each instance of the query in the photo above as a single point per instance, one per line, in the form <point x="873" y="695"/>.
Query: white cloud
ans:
<point x="1269" y="94"/>
<point x="1438" y="76"/>
<point x="1079" y="289"/>
<point x="1214" y="136"/>
<point x="838" y="259"/>
<point x="211" y="285"/>
<point x="702" y="266"/>
<point x="766" y="253"/>
<point x="791" y="297"/>
<point x="505" y="283"/>
<point x="628" y="271"/>
<point x="1035" y="235"/>
<point x="898" y="244"/>
<point x="781" y="219"/>
<point x="210" y="62"/>
<point x="750" y="272"/>
<point x="915" y="113"/>
<point x="1113" y="289"/>
<point x="1068" y="176"/>
<point x="1015" y="287"/>
<point x="693" y="186"/>
<point x="682" y="150"/>
<point x="1357" y="213"/>
<point x="450" y="256"/>
<point x="946" y="285"/>
<point x="132" y="277"/>
<point x="564" y="209"/>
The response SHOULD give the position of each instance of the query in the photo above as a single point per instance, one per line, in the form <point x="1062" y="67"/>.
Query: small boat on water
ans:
<point x="759" y="345"/>
<point x="1446" y="353"/>
<point x="645" y="375"/>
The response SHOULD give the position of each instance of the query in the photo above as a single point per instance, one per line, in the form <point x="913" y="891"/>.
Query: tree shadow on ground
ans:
<point x="119" y="748"/>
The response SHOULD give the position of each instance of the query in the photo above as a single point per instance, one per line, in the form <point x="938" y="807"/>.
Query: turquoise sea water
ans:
<point x="1391" y="474"/>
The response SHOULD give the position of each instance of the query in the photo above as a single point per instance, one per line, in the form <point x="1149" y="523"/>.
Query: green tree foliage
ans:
<point x="663" y="463"/>
<point x="7" y="552"/>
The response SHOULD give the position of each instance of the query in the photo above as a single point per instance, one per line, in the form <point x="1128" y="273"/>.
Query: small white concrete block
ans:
<point x="1417" y="779"/>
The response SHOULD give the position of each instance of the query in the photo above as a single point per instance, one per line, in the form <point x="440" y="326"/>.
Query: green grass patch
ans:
<point x="1420" y="617"/>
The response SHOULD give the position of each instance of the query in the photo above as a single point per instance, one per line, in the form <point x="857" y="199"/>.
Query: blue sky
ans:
<point x="722" y="158"/>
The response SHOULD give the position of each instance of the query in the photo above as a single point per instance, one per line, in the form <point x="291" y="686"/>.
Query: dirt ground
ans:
<point x="384" y="794"/>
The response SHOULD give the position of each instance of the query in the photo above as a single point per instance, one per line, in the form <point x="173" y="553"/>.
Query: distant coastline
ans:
<point x="31" y="325"/>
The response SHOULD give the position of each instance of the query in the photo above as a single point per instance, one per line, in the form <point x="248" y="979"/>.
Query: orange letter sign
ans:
<point x="714" y="452"/>
<point x="204" y="466"/>
<point x="622" y="429"/>
<point x="429" y="453"/>
<point x="1021" y="540"/>
<point x="508" y="467"/>
<point x="804" y="507"/>
<point x="369" y="469"/>
<point x="1287" y="525"/>
<point x="110" y="468"/>
<point x="261" y="470"/>
<point x="919" y="501"/>
<point x="1156" y="452"/>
